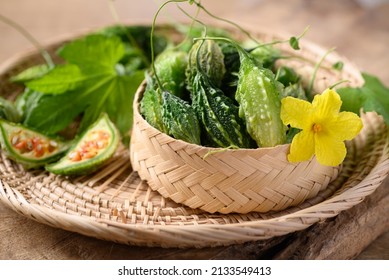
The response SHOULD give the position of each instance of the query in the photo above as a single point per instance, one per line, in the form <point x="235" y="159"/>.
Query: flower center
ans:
<point x="316" y="128"/>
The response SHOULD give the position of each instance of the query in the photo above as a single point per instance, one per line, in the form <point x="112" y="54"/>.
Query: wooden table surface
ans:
<point x="359" y="29"/>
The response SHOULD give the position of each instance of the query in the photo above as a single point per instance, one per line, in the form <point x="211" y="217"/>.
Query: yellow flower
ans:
<point x="323" y="128"/>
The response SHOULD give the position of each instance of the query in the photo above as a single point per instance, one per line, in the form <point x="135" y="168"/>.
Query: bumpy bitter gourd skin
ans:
<point x="151" y="106"/>
<point x="218" y="115"/>
<point x="170" y="66"/>
<point x="97" y="145"/>
<point x="258" y="94"/>
<point x="180" y="119"/>
<point x="28" y="147"/>
<point x="206" y="56"/>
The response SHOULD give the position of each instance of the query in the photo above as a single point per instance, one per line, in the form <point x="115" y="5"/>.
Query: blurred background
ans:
<point x="359" y="29"/>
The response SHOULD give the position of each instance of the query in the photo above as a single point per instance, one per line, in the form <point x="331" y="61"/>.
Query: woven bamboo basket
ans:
<point x="115" y="204"/>
<point x="236" y="180"/>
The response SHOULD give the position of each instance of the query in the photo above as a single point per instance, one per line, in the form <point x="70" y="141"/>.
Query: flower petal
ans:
<point x="329" y="151"/>
<point x="327" y="104"/>
<point x="345" y="127"/>
<point x="302" y="147"/>
<point x="296" y="112"/>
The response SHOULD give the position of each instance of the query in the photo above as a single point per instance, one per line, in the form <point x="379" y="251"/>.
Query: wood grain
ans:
<point x="361" y="33"/>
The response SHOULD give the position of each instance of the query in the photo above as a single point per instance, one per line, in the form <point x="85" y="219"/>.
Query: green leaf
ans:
<point x="8" y="110"/>
<point x="94" y="53"/>
<point x="90" y="83"/>
<point x="338" y="65"/>
<point x="111" y="94"/>
<point x="294" y="43"/>
<point x="59" y="80"/>
<point x="115" y="98"/>
<point x="373" y="96"/>
<point x="97" y="104"/>
<point x="122" y="113"/>
<point x="50" y="114"/>
<point x="31" y="73"/>
<point x="25" y="101"/>
<point x="136" y="39"/>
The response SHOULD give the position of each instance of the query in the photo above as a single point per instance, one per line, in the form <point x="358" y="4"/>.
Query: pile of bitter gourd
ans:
<point x="219" y="93"/>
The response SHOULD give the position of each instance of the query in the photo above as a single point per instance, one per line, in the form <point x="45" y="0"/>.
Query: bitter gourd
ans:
<point x="180" y="119"/>
<point x="258" y="95"/>
<point x="151" y="105"/>
<point x="97" y="145"/>
<point x="218" y="115"/>
<point x="29" y="147"/>
<point x="207" y="56"/>
<point x="170" y="68"/>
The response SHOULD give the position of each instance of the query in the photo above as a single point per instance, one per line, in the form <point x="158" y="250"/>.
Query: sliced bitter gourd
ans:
<point x="29" y="147"/>
<point x="93" y="149"/>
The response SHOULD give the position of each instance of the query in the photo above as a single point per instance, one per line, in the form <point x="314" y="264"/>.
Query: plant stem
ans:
<point x="317" y="66"/>
<point x="46" y="56"/>
<point x="225" y="20"/>
<point x="338" y="83"/>
<point x="128" y="34"/>
<point x="194" y="19"/>
<point x="283" y="41"/>
<point x="239" y="48"/>
<point x="152" y="38"/>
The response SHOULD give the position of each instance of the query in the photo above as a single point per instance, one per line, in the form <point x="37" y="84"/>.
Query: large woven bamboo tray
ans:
<point x="114" y="204"/>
